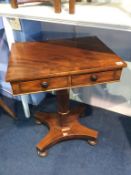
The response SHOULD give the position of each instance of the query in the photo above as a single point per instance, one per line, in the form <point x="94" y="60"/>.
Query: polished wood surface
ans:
<point x="41" y="60"/>
<point x="96" y="77"/>
<point x="59" y="65"/>
<point x="51" y="63"/>
<point x="37" y="85"/>
<point x="64" y="124"/>
<point x="56" y="83"/>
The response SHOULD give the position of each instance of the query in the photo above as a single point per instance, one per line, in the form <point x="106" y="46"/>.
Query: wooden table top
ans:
<point x="36" y="60"/>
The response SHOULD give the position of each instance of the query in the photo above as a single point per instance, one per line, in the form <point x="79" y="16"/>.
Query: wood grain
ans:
<point x="35" y="86"/>
<point x="101" y="77"/>
<point x="61" y="64"/>
<point x="41" y="60"/>
<point x="64" y="124"/>
<point x="42" y="66"/>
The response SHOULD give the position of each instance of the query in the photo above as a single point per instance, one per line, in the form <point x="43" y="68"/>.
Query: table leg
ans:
<point x="57" y="6"/>
<point x="24" y="100"/>
<point x="14" y="4"/>
<point x="71" y="6"/>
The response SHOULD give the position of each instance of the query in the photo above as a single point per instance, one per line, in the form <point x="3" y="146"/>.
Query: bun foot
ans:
<point x="92" y="142"/>
<point x="63" y="125"/>
<point x="42" y="154"/>
<point x="38" y="122"/>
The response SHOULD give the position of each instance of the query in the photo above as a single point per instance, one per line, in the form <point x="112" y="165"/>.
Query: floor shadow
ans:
<point x="126" y="124"/>
<point x="49" y="104"/>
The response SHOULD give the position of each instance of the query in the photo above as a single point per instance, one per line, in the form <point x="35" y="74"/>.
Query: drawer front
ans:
<point x="40" y="85"/>
<point x="95" y="78"/>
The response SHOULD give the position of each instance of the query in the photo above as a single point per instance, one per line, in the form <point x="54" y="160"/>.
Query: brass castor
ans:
<point x="42" y="154"/>
<point x="92" y="142"/>
<point x="38" y="122"/>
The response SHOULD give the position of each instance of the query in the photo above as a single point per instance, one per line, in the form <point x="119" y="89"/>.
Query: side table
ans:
<point x="60" y="65"/>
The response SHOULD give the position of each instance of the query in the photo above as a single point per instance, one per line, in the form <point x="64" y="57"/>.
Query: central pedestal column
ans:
<point x="64" y="124"/>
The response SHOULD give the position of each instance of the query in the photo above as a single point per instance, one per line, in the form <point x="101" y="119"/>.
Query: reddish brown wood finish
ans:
<point x="57" y="4"/>
<point x="14" y="3"/>
<point x="64" y="125"/>
<point x="52" y="63"/>
<point x="63" y="64"/>
<point x="95" y="78"/>
<point x="44" y="60"/>
<point x="83" y="79"/>
<point x="36" y="86"/>
<point x="71" y="6"/>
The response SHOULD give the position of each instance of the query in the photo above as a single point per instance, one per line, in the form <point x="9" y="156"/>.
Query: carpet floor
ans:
<point x="111" y="156"/>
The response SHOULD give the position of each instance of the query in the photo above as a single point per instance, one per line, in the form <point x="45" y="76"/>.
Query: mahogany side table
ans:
<point x="60" y="65"/>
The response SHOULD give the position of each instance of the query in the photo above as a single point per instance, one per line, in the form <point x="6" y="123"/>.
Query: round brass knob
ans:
<point x="44" y="84"/>
<point x="94" y="77"/>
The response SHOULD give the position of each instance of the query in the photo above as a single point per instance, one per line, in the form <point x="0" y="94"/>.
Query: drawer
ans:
<point x="40" y="85"/>
<point x="95" y="78"/>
